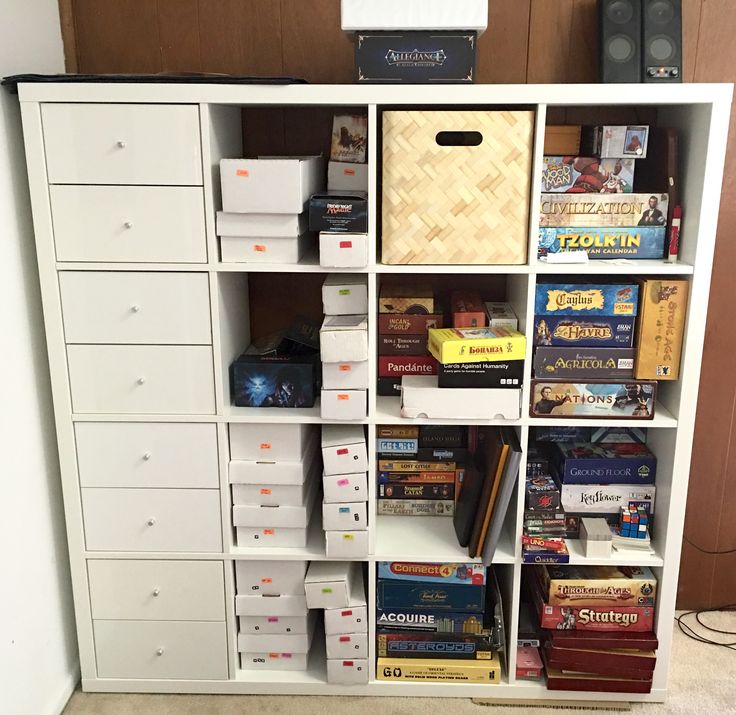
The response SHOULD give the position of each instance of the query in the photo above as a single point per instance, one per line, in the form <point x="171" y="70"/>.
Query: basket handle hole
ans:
<point x="459" y="138"/>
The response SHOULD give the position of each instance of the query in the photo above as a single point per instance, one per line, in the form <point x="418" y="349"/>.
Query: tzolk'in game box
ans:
<point x="635" y="242"/>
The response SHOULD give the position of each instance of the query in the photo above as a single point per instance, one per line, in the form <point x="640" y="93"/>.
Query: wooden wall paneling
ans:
<point x="691" y="10"/>
<point x="263" y="131"/>
<point x="502" y="48"/>
<point x="68" y="34"/>
<point x="550" y="27"/>
<point x="178" y="27"/>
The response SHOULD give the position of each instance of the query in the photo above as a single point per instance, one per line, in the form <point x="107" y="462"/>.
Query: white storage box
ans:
<point x="343" y="449"/>
<point x="268" y="537"/>
<point x="346" y="176"/>
<point x="278" y="642"/>
<point x="273" y="624"/>
<point x="347" y="645"/>
<point x="349" y="516"/>
<point x="270" y="578"/>
<point x="343" y="404"/>
<point x="354" y="617"/>
<point x="340" y="488"/>
<point x="347" y="672"/>
<point x="345" y="375"/>
<point x="242" y="471"/>
<point x="344" y="338"/>
<point x="274" y="661"/>
<point x="357" y="15"/>
<point x="270" y="185"/>
<point x="292" y="517"/>
<point x="420" y="397"/>
<point x="328" y="584"/>
<point x="343" y="250"/>
<point x="287" y="605"/>
<point x="262" y="249"/>
<point x="270" y="442"/>
<point x="346" y="544"/>
<point x="272" y="494"/>
<point x="345" y="295"/>
<point x="271" y="225"/>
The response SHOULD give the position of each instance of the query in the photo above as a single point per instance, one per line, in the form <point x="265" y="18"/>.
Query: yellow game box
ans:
<point x="454" y="345"/>
<point x="458" y="671"/>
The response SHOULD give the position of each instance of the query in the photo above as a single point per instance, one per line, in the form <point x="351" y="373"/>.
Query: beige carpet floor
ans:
<point x="702" y="682"/>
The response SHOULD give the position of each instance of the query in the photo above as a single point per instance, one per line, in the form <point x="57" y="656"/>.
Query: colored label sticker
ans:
<point x="273" y="655"/>
<point x="272" y="619"/>
<point x="344" y="510"/>
<point x="347" y="537"/>
<point x="286" y="655"/>
<point x="344" y="639"/>
<point x="343" y="397"/>
<point x="347" y="664"/>
<point x="346" y="613"/>
<point x="346" y="244"/>
<point x="344" y="291"/>
<point x="242" y="172"/>
<point x="342" y="451"/>
<point x="266" y="580"/>
<point x="327" y="589"/>
<point x="259" y="248"/>
<point x="269" y="532"/>
<point x="345" y="368"/>
<point x="348" y="171"/>
<point x="265" y="445"/>
<point x="343" y="482"/>
<point x="265" y="491"/>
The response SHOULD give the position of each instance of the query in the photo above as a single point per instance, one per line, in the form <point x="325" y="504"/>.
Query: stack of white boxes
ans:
<point x="337" y="587"/>
<point x="275" y="627"/>
<point x="343" y="341"/>
<point x="264" y="200"/>
<point x="345" y="485"/>
<point x="274" y="472"/>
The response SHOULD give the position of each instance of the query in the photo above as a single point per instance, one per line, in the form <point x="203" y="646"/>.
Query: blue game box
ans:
<point x="439" y="597"/>
<point x="429" y="621"/>
<point x="434" y="573"/>
<point x="596" y="331"/>
<point x="586" y="299"/>
<point x="636" y="242"/>
<point x="588" y="463"/>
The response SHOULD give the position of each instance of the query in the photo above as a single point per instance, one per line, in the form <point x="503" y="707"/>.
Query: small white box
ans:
<point x="270" y="578"/>
<point x="346" y="544"/>
<point x="344" y="338"/>
<point x="352" y="618"/>
<point x="274" y="661"/>
<point x="328" y="584"/>
<point x="345" y="375"/>
<point x="293" y="472"/>
<point x="349" y="516"/>
<point x="292" y="517"/>
<point x="278" y="642"/>
<point x="343" y="250"/>
<point x="347" y="671"/>
<point x="501" y="315"/>
<point x="270" y="442"/>
<point x="420" y="397"/>
<point x="271" y="494"/>
<point x="597" y="537"/>
<point x="270" y="185"/>
<point x="343" y="449"/>
<point x="340" y="488"/>
<point x="273" y="624"/>
<point x="270" y="536"/>
<point x="357" y="15"/>
<point x="286" y="605"/>
<point x="262" y="249"/>
<point x="347" y="645"/>
<point x="345" y="294"/>
<point x="272" y="225"/>
<point x="346" y="176"/>
<point x="343" y="404"/>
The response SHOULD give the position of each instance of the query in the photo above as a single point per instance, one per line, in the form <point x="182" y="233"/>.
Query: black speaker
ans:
<point x="619" y="23"/>
<point x="662" y="41"/>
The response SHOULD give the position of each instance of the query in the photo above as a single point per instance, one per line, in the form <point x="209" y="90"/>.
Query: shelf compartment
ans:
<point x="662" y="418"/>
<point x="388" y="411"/>
<point x="615" y="267"/>
<point x="629" y="558"/>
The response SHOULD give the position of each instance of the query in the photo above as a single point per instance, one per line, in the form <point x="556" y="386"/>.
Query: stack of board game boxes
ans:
<point x="438" y="621"/>
<point x="345" y="487"/>
<point x="597" y="626"/>
<point x="274" y="472"/>
<point x="343" y="342"/>
<point x="337" y="588"/>
<point x="275" y="626"/>
<point x="340" y="216"/>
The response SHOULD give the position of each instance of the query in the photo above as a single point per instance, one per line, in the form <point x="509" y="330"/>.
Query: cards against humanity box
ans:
<point x="588" y="463"/>
<point x="415" y="57"/>
<point x="599" y="363"/>
<point x="587" y="175"/>
<point x="595" y="331"/>
<point x="504" y="373"/>
<point x="586" y="299"/>
<point x="634" y="242"/>
<point x="609" y="400"/>
<point x="339" y="212"/>
<point x="603" y="210"/>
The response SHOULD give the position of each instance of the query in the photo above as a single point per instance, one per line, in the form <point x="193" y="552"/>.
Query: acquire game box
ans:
<point x="600" y="331"/>
<point x="587" y="175"/>
<point x="589" y="463"/>
<point x="429" y="621"/>
<point x="603" y="210"/>
<point x="586" y="299"/>
<point x="598" y="363"/>
<point x="609" y="400"/>
<point x="636" y="242"/>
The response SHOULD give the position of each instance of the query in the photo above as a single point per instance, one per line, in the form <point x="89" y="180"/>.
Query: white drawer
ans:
<point x="141" y="379"/>
<point x="152" y="519"/>
<point x="122" y="144"/>
<point x="147" y="454"/>
<point x="154" y="650"/>
<point x="157" y="590"/>
<point x="132" y="307"/>
<point x="133" y="224"/>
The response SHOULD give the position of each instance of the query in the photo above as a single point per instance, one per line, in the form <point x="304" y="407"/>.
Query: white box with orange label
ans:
<point x="270" y="578"/>
<point x="345" y="375"/>
<point x="269" y="442"/>
<point x="343" y="404"/>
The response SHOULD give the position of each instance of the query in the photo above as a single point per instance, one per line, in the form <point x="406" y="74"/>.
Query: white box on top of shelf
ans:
<point x="346" y="544"/>
<point x="271" y="537"/>
<point x="245" y="471"/>
<point x="352" y="618"/>
<point x="347" y="645"/>
<point x="270" y="578"/>
<point x="343" y="250"/>
<point x="292" y="517"/>
<point x="357" y="15"/>
<point x="345" y="516"/>
<point x="420" y="397"/>
<point x="272" y="494"/>
<point x="274" y="661"/>
<point x="278" y="642"/>
<point x="343" y="449"/>
<point x="339" y="488"/>
<point x="270" y="185"/>
<point x="345" y="176"/>
<point x="273" y="624"/>
<point x="270" y="225"/>
<point x="344" y="338"/>
<point x="353" y="671"/>
<point x="345" y="375"/>
<point x="281" y="605"/>
<point x="328" y="583"/>
<point x="345" y="294"/>
<point x="265" y="249"/>
<point x="343" y="404"/>
<point x="270" y="442"/>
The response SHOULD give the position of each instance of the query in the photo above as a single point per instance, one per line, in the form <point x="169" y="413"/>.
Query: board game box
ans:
<point x="586" y="299"/>
<point x="608" y="400"/>
<point x="417" y="299"/>
<point x="442" y="436"/>
<point x="427" y="620"/>
<point x="600" y="499"/>
<point x="594" y="683"/>
<point x="454" y="345"/>
<point x="542" y="492"/>
<point x="405" y="447"/>
<point x="503" y="373"/>
<point x="468" y="574"/>
<point x="634" y="242"/>
<point x="389" y="386"/>
<point x="600" y="639"/>
<point x="433" y="477"/>
<point x="590" y="463"/>
<point x="615" y="434"/>
<point x="459" y="455"/>
<point x="562" y="434"/>
<point x="596" y="363"/>
<point x="407" y="323"/>
<point x="446" y="671"/>
<point x="349" y="138"/>
<point x="434" y="645"/>
<point x="615" y="140"/>
<point x="392" y="593"/>
<point x="602" y="331"/>
<point x="396" y="366"/>
<point x="416" y="491"/>
<point x="416" y="507"/>
<point x="402" y="344"/>
<point x="587" y="175"/>
<point x="413" y="465"/>
<point x="603" y="210"/>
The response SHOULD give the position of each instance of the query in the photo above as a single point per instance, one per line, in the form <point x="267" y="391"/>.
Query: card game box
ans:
<point x="528" y="663"/>
<point x="603" y="210"/>
<point x="597" y="363"/>
<point x="396" y="366"/>
<point x="603" y="499"/>
<point x="660" y="328"/>
<point x="429" y="621"/>
<point x="459" y="455"/>
<point x="542" y="493"/>
<point x="414" y="466"/>
<point x="469" y="574"/>
<point x="416" y="491"/>
<point x="608" y="400"/>
<point x="397" y="432"/>
<point x="339" y="212"/>
<point x="412" y="299"/>
<point x="501" y="315"/>
<point x="635" y="242"/>
<point x="393" y="593"/>
<point x="563" y="434"/>
<point x="434" y="645"/>
<point x="418" y="507"/>
<point x="446" y="477"/>
<point x="615" y="434"/>
<point x="395" y="446"/>
<point x="388" y="386"/>
<point x="615" y="141"/>
<point x="586" y="299"/>
<point x="402" y="345"/>
<point x="440" y="670"/>
<point x="600" y="331"/>
<point x="446" y="436"/>
<point x="408" y="323"/>
<point x="587" y="175"/>
<point x="503" y="373"/>
<point x="598" y="463"/>
<point x="594" y="682"/>
<point x="349" y="138"/>
<point x="537" y="461"/>
<point x="530" y="555"/>
<point x="596" y="640"/>
<point x="468" y="310"/>
<point x="454" y="345"/>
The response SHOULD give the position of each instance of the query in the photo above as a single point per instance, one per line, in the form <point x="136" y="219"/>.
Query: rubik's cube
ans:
<point x="634" y="522"/>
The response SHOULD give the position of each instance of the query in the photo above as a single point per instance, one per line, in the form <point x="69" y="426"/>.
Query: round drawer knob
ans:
<point x="151" y="521"/>
<point x="135" y="308"/>
<point x="160" y="651"/>
<point x="128" y="224"/>
<point x="120" y="143"/>
<point x="141" y="380"/>
<point x="146" y="456"/>
<point x="156" y="592"/>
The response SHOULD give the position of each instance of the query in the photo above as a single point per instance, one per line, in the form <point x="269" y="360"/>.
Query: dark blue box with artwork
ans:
<point x="595" y="331"/>
<point x="394" y="594"/>
<point x="589" y="463"/>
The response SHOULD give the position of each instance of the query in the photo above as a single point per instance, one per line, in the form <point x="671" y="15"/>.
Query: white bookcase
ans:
<point x="124" y="187"/>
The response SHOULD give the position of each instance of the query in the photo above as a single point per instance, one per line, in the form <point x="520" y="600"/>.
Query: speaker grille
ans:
<point x="620" y="48"/>
<point x="620" y="11"/>
<point x="661" y="48"/>
<point x="661" y="12"/>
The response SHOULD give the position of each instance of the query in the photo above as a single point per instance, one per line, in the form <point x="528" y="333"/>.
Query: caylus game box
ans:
<point x="610" y="400"/>
<point x="595" y="331"/>
<point x="586" y="299"/>
<point x="636" y="242"/>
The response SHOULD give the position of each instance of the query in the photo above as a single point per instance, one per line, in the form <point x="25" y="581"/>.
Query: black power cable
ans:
<point x="706" y="551"/>
<point x="690" y="632"/>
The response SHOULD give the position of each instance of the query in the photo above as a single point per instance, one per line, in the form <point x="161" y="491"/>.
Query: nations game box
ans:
<point x="615" y="299"/>
<point x="589" y="463"/>
<point x="603" y="210"/>
<point x="597" y="363"/>
<point x="608" y="400"/>
<point x="636" y="242"/>
<point x="596" y="331"/>
<point x="587" y="175"/>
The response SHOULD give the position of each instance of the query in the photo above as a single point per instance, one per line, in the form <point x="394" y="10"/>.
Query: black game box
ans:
<point x="503" y="374"/>
<point x="339" y="212"/>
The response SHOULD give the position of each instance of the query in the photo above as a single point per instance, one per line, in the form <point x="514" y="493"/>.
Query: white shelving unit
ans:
<point x="79" y="134"/>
